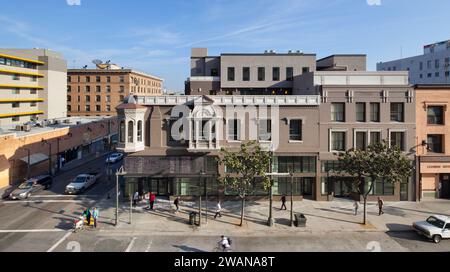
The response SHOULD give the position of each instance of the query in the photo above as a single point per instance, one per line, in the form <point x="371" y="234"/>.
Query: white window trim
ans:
<point x="271" y="126"/>
<point x="405" y="137"/>
<point x="289" y="127"/>
<point x="330" y="132"/>
<point x="239" y="132"/>
<point x="367" y="131"/>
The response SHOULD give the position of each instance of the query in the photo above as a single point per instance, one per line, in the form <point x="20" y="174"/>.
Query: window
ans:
<point x="435" y="115"/>
<point x="338" y="112"/>
<point x="122" y="132"/>
<point x="295" y="130"/>
<point x="397" y="114"/>
<point x="69" y="89"/>
<point x="421" y="75"/>
<point x="88" y="89"/>
<point x="108" y="99"/>
<point x="289" y="73"/>
<point x="246" y="73"/>
<point x="130" y="131"/>
<point x="261" y="73"/>
<point x="360" y="140"/>
<point x="360" y="112"/>
<point x="98" y="98"/>
<point x="108" y="107"/>
<point x="436" y="64"/>
<point x="108" y="89"/>
<point x="375" y="137"/>
<point x="121" y="98"/>
<point x="374" y="112"/>
<point x="233" y="130"/>
<point x="16" y="91"/>
<point x="88" y="108"/>
<point x="16" y="77"/>
<point x="139" y="131"/>
<point x="98" y="108"/>
<point x="98" y="89"/>
<point x="436" y="74"/>
<point x="122" y="79"/>
<point x="69" y="98"/>
<point x="305" y="70"/>
<point x="108" y="79"/>
<point x="434" y="142"/>
<point x="338" y="141"/>
<point x="447" y="73"/>
<point x="78" y="99"/>
<point x="398" y="139"/>
<point x="230" y="73"/>
<point x="429" y="75"/>
<point x="15" y="104"/>
<point x="88" y="79"/>
<point x="421" y="66"/>
<point x="15" y="119"/>
<point x="69" y="108"/>
<point x="265" y="130"/>
<point x="380" y="187"/>
<point x="122" y="89"/>
<point x="296" y="164"/>
<point x="429" y="64"/>
<point x="214" y="73"/>
<point x="276" y="73"/>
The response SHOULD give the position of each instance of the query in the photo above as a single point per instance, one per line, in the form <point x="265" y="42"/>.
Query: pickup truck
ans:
<point x="436" y="227"/>
<point x="82" y="182"/>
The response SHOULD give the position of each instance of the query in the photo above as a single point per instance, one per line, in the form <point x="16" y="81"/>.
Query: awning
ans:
<point x="35" y="158"/>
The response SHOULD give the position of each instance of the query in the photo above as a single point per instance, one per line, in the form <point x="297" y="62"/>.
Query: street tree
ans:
<point x="246" y="169"/>
<point x="378" y="162"/>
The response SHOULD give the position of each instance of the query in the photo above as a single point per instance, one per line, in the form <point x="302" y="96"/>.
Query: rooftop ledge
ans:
<point x="203" y="78"/>
<point x="235" y="100"/>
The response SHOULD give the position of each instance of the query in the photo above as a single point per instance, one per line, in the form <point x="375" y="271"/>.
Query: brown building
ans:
<point x="97" y="92"/>
<point x="433" y="141"/>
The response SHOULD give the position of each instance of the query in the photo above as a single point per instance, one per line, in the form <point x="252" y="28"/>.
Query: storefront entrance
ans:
<point x="444" y="180"/>
<point x="343" y="187"/>
<point x="158" y="186"/>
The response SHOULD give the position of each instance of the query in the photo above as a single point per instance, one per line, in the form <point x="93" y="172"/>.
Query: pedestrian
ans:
<point x="283" y="202"/>
<point x="218" y="210"/>
<point x="135" y="198"/>
<point x="87" y="215"/>
<point x="177" y="203"/>
<point x="152" y="200"/>
<point x="356" y="205"/>
<point x="95" y="215"/>
<point x="440" y="189"/>
<point x="380" y="206"/>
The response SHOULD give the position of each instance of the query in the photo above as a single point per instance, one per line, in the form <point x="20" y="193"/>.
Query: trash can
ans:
<point x="300" y="220"/>
<point x="192" y="218"/>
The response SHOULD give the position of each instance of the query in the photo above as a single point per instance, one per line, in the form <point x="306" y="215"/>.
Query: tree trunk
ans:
<point x="242" y="211"/>
<point x="365" y="210"/>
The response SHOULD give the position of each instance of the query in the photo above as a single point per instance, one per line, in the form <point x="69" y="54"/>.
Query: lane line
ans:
<point x="130" y="246"/>
<point x="60" y="241"/>
<point x="32" y="230"/>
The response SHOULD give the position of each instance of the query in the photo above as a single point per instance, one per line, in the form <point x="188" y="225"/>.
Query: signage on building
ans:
<point x="433" y="167"/>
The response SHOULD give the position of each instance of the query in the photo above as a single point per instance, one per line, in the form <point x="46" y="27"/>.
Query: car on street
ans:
<point x="81" y="183"/>
<point x="436" y="227"/>
<point x="114" y="157"/>
<point x="31" y="186"/>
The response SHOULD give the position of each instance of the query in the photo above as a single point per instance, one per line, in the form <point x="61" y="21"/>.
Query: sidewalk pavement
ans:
<point x="335" y="216"/>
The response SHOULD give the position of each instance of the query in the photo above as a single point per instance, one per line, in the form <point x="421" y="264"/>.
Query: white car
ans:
<point x="114" y="157"/>
<point x="81" y="183"/>
<point x="436" y="227"/>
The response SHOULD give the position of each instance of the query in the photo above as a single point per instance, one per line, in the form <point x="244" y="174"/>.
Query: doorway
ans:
<point x="159" y="186"/>
<point x="444" y="181"/>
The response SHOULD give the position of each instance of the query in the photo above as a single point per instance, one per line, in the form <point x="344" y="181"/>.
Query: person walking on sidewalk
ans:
<point x="135" y="198"/>
<point x="177" y="203"/>
<point x="283" y="202"/>
<point x="380" y="206"/>
<point x="218" y="210"/>
<point x="87" y="215"/>
<point x="95" y="215"/>
<point x="152" y="200"/>
<point x="356" y="206"/>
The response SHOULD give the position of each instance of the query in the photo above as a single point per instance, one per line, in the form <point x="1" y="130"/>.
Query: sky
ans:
<point x="156" y="36"/>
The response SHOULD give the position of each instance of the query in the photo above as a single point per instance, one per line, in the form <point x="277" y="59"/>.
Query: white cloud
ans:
<point x="73" y="2"/>
<point x="374" y="2"/>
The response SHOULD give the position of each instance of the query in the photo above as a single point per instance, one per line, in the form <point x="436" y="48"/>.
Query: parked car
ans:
<point x="31" y="186"/>
<point x="82" y="182"/>
<point x="114" y="157"/>
<point x="436" y="227"/>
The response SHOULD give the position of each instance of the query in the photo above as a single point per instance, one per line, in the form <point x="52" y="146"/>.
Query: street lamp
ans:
<point x="119" y="172"/>
<point x="202" y="174"/>
<point x="292" y="197"/>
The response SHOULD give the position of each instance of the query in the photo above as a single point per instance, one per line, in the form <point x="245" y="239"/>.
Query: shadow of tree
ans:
<point x="188" y="249"/>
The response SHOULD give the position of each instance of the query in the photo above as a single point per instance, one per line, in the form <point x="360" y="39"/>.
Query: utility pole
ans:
<point x="292" y="198"/>
<point x="199" y="204"/>
<point x="117" y="198"/>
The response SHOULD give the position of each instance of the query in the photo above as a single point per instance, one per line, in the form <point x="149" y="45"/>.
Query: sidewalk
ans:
<point x="336" y="216"/>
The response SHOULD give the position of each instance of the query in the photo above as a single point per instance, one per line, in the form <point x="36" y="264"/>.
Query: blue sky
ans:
<point x="156" y="36"/>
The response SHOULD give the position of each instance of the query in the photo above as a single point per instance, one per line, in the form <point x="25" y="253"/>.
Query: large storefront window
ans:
<point x="328" y="166"/>
<point x="379" y="187"/>
<point x="298" y="164"/>
<point x="194" y="187"/>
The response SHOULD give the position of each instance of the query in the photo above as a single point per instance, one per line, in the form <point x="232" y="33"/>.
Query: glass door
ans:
<point x="403" y="191"/>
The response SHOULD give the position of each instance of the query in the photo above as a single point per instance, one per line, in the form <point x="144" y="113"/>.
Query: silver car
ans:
<point x="31" y="186"/>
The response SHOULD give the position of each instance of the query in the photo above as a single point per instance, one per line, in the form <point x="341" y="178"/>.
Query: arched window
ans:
<point x="130" y="131"/>
<point x="122" y="131"/>
<point x="139" y="131"/>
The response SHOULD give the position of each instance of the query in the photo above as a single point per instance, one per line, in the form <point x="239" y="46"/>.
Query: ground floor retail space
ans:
<point x="435" y="177"/>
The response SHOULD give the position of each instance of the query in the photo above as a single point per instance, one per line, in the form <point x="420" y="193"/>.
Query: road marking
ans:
<point x="45" y="201"/>
<point x="32" y="230"/>
<point x="130" y="246"/>
<point x="60" y="241"/>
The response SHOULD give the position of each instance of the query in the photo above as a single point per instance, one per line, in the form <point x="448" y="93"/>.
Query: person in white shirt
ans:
<point x="225" y="243"/>
<point x="218" y="210"/>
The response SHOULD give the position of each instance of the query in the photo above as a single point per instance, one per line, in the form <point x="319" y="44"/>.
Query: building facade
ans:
<point x="97" y="92"/>
<point x="54" y="146"/>
<point x="33" y="86"/>
<point x="433" y="152"/>
<point x="305" y="121"/>
<point x="433" y="67"/>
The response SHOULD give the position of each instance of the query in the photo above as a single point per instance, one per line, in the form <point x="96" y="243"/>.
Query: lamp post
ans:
<point x="119" y="172"/>
<point x="49" y="155"/>
<point x="292" y="198"/>
<point x="202" y="175"/>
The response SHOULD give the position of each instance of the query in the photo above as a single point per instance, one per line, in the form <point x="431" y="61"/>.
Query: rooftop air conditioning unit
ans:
<point x="290" y="52"/>
<point x="66" y="121"/>
<point x="26" y="128"/>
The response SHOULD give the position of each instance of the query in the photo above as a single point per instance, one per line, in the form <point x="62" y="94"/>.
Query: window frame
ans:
<point x="404" y="131"/>
<point x="333" y="119"/>
<point x="300" y="134"/>
<point x="330" y="140"/>
<point x="402" y="113"/>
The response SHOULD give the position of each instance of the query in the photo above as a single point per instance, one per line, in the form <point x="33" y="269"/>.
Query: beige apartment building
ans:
<point x="32" y="86"/>
<point x="97" y="92"/>
<point x="433" y="145"/>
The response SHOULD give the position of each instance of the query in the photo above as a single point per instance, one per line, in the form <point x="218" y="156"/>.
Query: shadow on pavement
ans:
<point x="402" y="231"/>
<point x="188" y="249"/>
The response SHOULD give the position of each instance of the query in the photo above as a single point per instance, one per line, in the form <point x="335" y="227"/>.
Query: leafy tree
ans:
<point x="377" y="162"/>
<point x="247" y="168"/>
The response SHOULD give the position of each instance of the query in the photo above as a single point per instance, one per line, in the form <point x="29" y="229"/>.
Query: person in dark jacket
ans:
<point x="283" y="202"/>
<point x="177" y="203"/>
